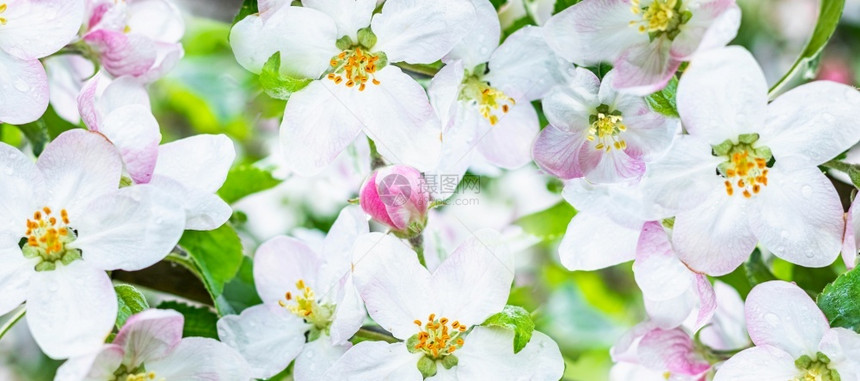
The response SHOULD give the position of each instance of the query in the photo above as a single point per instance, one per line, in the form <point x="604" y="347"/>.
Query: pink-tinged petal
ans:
<point x="90" y="367"/>
<point x="376" y="360"/>
<point x="570" y="107"/>
<point x="727" y="330"/>
<point x="318" y="124"/>
<point x="307" y="36"/>
<point x="707" y="301"/>
<point x="763" y="363"/>
<point x="593" y="31"/>
<point x="842" y="347"/>
<point x="203" y="210"/>
<point x="66" y="74"/>
<point x="201" y="359"/>
<point x="645" y="67"/>
<point x="159" y="20"/>
<point x="86" y="102"/>
<point x="474" y="282"/>
<point x="625" y="347"/>
<point x="35" y="29"/>
<point x="85" y="300"/>
<point x="482" y="38"/>
<point x="782" y="315"/>
<point x="200" y="161"/>
<point x="421" y="31"/>
<point x="713" y="25"/>
<point x="15" y="273"/>
<point x="670" y="313"/>
<point x="23" y="89"/>
<point x="122" y="54"/>
<point x="22" y="191"/>
<point x="372" y="204"/>
<point x="79" y="166"/>
<point x="316" y="358"/>
<point x="149" y="335"/>
<point x="135" y="132"/>
<point x="671" y="350"/>
<point x="267" y="336"/>
<point x="280" y="263"/>
<point x="525" y="67"/>
<point x="129" y="229"/>
<point x="557" y="152"/>
<point x="394" y="286"/>
<point x="488" y="354"/>
<point x="798" y="215"/>
<point x="444" y="91"/>
<point x="508" y="144"/>
<point x="615" y="165"/>
<point x="714" y="238"/>
<point x="349" y="16"/>
<point x="685" y="177"/>
<point x="814" y="122"/>
<point x="722" y="94"/>
<point x="657" y="270"/>
<point x="851" y="238"/>
<point x="593" y="242"/>
<point x="167" y="55"/>
<point x="403" y="193"/>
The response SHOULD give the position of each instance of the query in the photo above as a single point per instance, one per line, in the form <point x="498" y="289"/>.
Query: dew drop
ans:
<point x="771" y="319"/>
<point x="21" y="85"/>
<point x="809" y="253"/>
<point x="806" y="191"/>
<point x="784" y="234"/>
<point x="484" y="50"/>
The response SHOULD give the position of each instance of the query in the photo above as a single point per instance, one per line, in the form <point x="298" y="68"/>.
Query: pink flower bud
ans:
<point x="396" y="196"/>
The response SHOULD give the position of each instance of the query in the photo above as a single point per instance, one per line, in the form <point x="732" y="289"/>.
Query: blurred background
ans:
<point x="585" y="312"/>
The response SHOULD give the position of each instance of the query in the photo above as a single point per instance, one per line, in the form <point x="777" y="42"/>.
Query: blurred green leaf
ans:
<point x="840" y="301"/>
<point x="663" y="101"/>
<point x="241" y="292"/>
<point x="756" y="270"/>
<point x="498" y="3"/>
<point x="46" y="128"/>
<point x="249" y="7"/>
<point x="738" y="280"/>
<point x="217" y="254"/>
<point x="517" y="25"/>
<point x="277" y="85"/>
<point x="813" y="280"/>
<point x="600" y="69"/>
<point x="548" y="224"/>
<point x="561" y="5"/>
<point x="130" y="301"/>
<point x="516" y="319"/>
<point x="199" y="321"/>
<point x="244" y="180"/>
<point x="804" y="68"/>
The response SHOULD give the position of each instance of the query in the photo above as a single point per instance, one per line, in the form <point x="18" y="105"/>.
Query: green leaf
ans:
<point x="804" y="68"/>
<point x="548" y="224"/>
<point x="199" y="321"/>
<point x="241" y="292"/>
<point x="244" y="180"/>
<point x="46" y="128"/>
<point x="840" y="301"/>
<point x="498" y="3"/>
<point x="249" y="7"/>
<point x="663" y="101"/>
<point x="600" y="69"/>
<point x="277" y="85"/>
<point x="561" y="5"/>
<point x="813" y="280"/>
<point x="756" y="270"/>
<point x="217" y="256"/>
<point x="129" y="302"/>
<point x="516" y="319"/>
<point x="517" y="25"/>
<point x="738" y="280"/>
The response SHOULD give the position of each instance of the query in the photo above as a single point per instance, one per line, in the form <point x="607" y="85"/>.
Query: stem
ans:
<point x="417" y="244"/>
<point x="369" y="333"/>
<point x="12" y="321"/>
<point x="376" y="160"/>
<point x="418" y="68"/>
<point x="839" y="166"/>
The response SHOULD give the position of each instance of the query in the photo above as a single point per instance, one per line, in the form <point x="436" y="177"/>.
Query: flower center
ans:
<point x="356" y="67"/>
<point x="815" y="369"/>
<point x="437" y="338"/>
<point x="746" y="166"/>
<point x="2" y="10"/>
<point x="143" y="376"/>
<point x="606" y="128"/>
<point x="305" y="306"/>
<point x="47" y="239"/>
<point x="660" y="17"/>
<point x="489" y="100"/>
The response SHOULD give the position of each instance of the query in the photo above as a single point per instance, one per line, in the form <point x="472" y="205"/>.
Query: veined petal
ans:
<point x="35" y="29"/>
<point x="316" y="358"/>
<point x="100" y="365"/>
<point x="670" y="313"/>
<point x="203" y="210"/>
<point x="685" y="177"/>
<point x="488" y="354"/>
<point x="150" y="335"/>
<point x="558" y="152"/>
<point x="349" y="314"/>
<point x="713" y="25"/>
<point x="159" y="20"/>
<point x="569" y="107"/>
<point x="280" y="263"/>
<point x="524" y="66"/>
<point x="508" y="144"/>
<point x="673" y="351"/>
<point x="480" y="40"/>
<point x="24" y="94"/>
<point x="22" y="187"/>
<point x="657" y="270"/>
<point x="593" y="31"/>
<point x="350" y="16"/>
<point x="122" y="54"/>
<point x="135" y="133"/>
<point x="376" y="360"/>
<point x="201" y="359"/>
<point x="645" y="67"/>
<point x="758" y="364"/>
<point x="444" y="89"/>
<point x="593" y="241"/>
<point x="609" y="167"/>
<point x="200" y="161"/>
<point x="417" y="31"/>
<point x="351" y="223"/>
<point x="782" y="315"/>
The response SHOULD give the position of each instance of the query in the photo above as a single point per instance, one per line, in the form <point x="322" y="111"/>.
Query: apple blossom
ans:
<point x="645" y="40"/>
<point x="311" y="308"/>
<point x="348" y="52"/>
<point x="851" y="238"/>
<point x="150" y="347"/>
<point x="75" y="224"/>
<point x="600" y="134"/>
<point x="30" y="30"/>
<point x="397" y="197"/>
<point x="67" y="74"/>
<point x="437" y="316"/>
<point x="483" y="93"/>
<point x="746" y="172"/>
<point x="793" y="340"/>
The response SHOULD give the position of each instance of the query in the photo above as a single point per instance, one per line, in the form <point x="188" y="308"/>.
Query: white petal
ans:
<point x="135" y="133"/>
<point x="22" y="189"/>
<point x="349" y="314"/>
<point x="713" y="25"/>
<point x="203" y="210"/>
<point x="645" y="67"/>
<point x="593" y="242"/>
<point x="304" y="36"/>
<point x="80" y="295"/>
<point x="670" y="313"/>
<point x="319" y="122"/>
<point x="96" y="366"/>
<point x="24" y="94"/>
<point x="722" y="94"/>
<point x="15" y="274"/>
<point x="376" y="360"/>
<point x="197" y="162"/>
<point x="672" y="350"/>
<point x="798" y="216"/>
<point x="488" y="354"/>
<point x="280" y="263"/>
<point x="35" y="29"/>
<point x="267" y="336"/>
<point x="814" y="121"/>
<point x="159" y="20"/>
<point x="715" y="238"/>
<point x="624" y="371"/>
<point x="657" y="270"/>
<point x="66" y="74"/>
<point x="394" y="286"/>
<point x="128" y="229"/>
<point x="420" y="31"/>
<point x="851" y="238"/>
<point x="560" y="152"/>
<point x="593" y="31"/>
<point x="524" y="66"/>
<point x="316" y="358"/>
<point x="685" y="176"/>
<point x="444" y="90"/>
<point x="508" y="144"/>
<point x="480" y="40"/>
<point x="782" y="315"/>
<point x="763" y="363"/>
<point x="201" y="359"/>
<point x="351" y="223"/>
<point x="150" y="335"/>
<point x="569" y="107"/>
<point x="350" y="16"/>
<point x="842" y="347"/>
<point x="728" y="329"/>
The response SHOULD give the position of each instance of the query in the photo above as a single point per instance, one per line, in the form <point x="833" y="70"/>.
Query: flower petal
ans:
<point x="842" y="347"/>
<point x="316" y="358"/>
<point x="376" y="360"/>
<point x="444" y="89"/>
<point x="349" y="314"/>
<point x="758" y="364"/>
<point x="593" y="31"/>
<point x="280" y="263"/>
<point x="15" y="274"/>
<point x="593" y="242"/>
<point x="149" y="335"/>
<point x="685" y="177"/>
<point x="203" y="210"/>
<point x="851" y="238"/>
<point x="201" y="359"/>
<point x="22" y="188"/>
<point x="35" y="29"/>
<point x="488" y="354"/>
<point x="350" y="16"/>
<point x="508" y="144"/>
<point x="159" y="20"/>
<point x="480" y="40"/>
<point x="645" y="67"/>
<point x="557" y="152"/>
<point x="351" y="223"/>
<point x="570" y="107"/>
<point x="134" y="131"/>
<point x="122" y="54"/>
<point x="782" y="315"/>
<point x="524" y="66"/>
<point x="657" y="270"/>
<point x="200" y="161"/>
<point x="24" y="93"/>
<point x="83" y="296"/>
<point x="100" y="365"/>
<point x="728" y="329"/>
<point x="420" y="31"/>
<point x="671" y="350"/>
<point x="713" y="25"/>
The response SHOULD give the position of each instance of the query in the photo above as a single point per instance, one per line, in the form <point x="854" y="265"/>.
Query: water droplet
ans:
<point x="309" y="354"/>
<point x="806" y="191"/>
<point x="771" y="319"/>
<point x="827" y="117"/>
<point x="784" y="234"/>
<point x="809" y="253"/>
<point x="484" y="50"/>
<point x="53" y="287"/>
<point x="21" y="85"/>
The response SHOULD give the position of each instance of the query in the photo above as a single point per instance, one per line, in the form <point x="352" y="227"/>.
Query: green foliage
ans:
<point x="738" y="280"/>
<point x="199" y="321"/>
<point x="561" y="5"/>
<point x="217" y="256"/>
<point x="129" y="302"/>
<point x="663" y="101"/>
<point x="600" y="69"/>
<point x="498" y="3"/>
<point x="249" y="7"/>
<point x="840" y="301"/>
<point x="241" y="292"/>
<point x="244" y="180"/>
<point x="548" y="224"/>
<point x="45" y="129"/>
<point x="806" y="65"/>
<point x="517" y="25"/>
<point x="516" y="319"/>
<point x="756" y="270"/>
<point x="277" y="85"/>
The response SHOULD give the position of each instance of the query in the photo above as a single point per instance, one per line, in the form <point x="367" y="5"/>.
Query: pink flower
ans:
<point x="397" y="197"/>
<point x="150" y="346"/>
<point x="645" y="40"/>
<point x="650" y="353"/>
